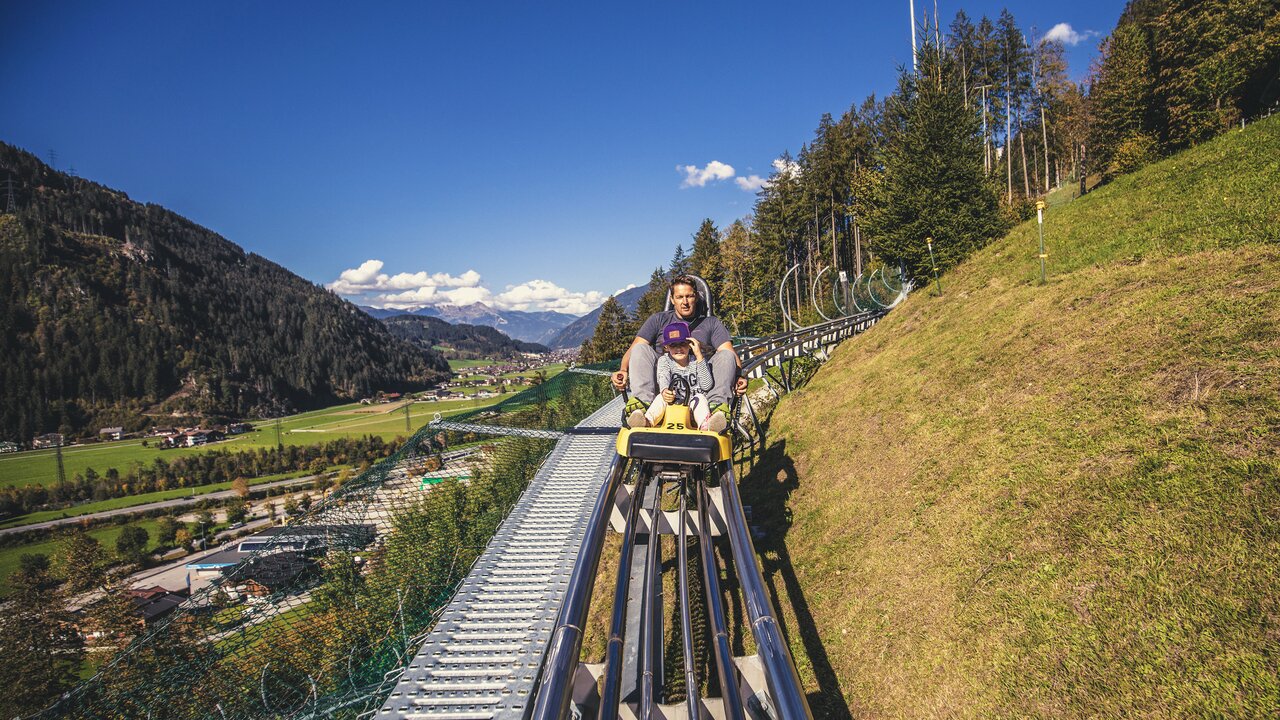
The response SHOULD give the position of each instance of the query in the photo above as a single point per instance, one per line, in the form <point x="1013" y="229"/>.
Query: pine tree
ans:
<point x="654" y="299"/>
<point x="115" y="621"/>
<point x="1015" y="67"/>
<point x="739" y="309"/>
<point x="704" y="259"/>
<point x="680" y="264"/>
<point x="779" y="226"/>
<point x="1215" y="60"/>
<point x="1123" y="99"/>
<point x="613" y="335"/>
<point x="932" y="184"/>
<point x="83" y="561"/>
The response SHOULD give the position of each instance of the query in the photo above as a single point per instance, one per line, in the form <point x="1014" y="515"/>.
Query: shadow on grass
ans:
<point x="766" y="488"/>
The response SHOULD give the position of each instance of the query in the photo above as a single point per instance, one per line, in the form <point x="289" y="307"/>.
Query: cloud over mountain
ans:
<point x="368" y="285"/>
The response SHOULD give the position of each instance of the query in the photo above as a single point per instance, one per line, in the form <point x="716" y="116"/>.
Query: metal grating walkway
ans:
<point x="481" y="660"/>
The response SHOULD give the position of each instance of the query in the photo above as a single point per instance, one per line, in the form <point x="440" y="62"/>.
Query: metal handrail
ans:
<point x="725" y="668"/>
<point x="555" y="686"/>
<point x="771" y="341"/>
<point x="611" y="692"/>
<point x="780" y="670"/>
<point x="691" y="699"/>
<point x="651" y="613"/>
<point x="815" y="332"/>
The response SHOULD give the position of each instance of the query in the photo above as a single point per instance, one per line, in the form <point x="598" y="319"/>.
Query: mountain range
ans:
<point x="457" y="340"/>
<point x="573" y="334"/>
<point x="535" y="327"/>
<point x="113" y="312"/>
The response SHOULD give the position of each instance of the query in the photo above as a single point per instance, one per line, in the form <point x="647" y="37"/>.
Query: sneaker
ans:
<point x="637" y="419"/>
<point x="719" y="418"/>
<point x="634" y="403"/>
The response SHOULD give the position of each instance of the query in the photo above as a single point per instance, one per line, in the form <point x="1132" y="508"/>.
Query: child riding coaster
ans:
<point x="682" y="382"/>
<point x="688" y="302"/>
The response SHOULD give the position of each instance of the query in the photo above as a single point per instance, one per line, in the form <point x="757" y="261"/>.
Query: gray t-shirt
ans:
<point x="708" y="330"/>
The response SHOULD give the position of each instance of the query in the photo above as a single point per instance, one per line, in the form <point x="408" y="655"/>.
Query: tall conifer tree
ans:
<point x="704" y="259"/>
<point x="932" y="184"/>
<point x="613" y="335"/>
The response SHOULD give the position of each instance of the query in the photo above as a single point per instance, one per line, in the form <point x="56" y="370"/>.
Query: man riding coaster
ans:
<point x="709" y="332"/>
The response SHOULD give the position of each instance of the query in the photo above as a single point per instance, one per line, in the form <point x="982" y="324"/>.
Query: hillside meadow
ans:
<point x="1058" y="500"/>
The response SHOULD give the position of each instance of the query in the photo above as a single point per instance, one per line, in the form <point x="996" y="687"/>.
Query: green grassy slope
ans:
<point x="1053" y="501"/>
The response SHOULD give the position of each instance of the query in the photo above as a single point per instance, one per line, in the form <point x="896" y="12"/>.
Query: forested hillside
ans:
<point x="110" y="309"/>
<point x="460" y="342"/>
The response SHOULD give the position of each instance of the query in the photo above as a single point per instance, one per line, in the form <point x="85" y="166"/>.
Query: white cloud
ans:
<point x="367" y="271"/>
<point x="545" y="295"/>
<point x="1063" y="33"/>
<point x="368" y="278"/>
<point x="400" y="281"/>
<point x="368" y="285"/>
<point x="716" y="171"/>
<point x="414" y="298"/>
<point x="787" y="167"/>
<point x="619" y="291"/>
<point x="695" y="176"/>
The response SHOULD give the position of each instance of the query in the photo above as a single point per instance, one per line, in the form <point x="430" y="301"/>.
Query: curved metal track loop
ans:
<point x="813" y="293"/>
<point x="782" y="295"/>
<point x="853" y="293"/>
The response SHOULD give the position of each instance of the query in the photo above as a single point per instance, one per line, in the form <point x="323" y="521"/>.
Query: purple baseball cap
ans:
<point x="675" y="332"/>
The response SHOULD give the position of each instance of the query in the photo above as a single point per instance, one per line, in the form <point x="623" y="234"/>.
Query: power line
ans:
<point x="11" y="206"/>
<point x="62" y="472"/>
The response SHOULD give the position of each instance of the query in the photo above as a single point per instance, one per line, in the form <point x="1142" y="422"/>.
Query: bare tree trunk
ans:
<point x="857" y="248"/>
<point x="1035" y="164"/>
<point x="835" y="260"/>
<point x="1008" y="136"/>
<point x="1044" y="135"/>
<point x="857" y="231"/>
<point x="1022" y="141"/>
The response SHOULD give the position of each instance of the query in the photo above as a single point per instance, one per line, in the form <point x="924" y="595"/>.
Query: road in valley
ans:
<point x="160" y="504"/>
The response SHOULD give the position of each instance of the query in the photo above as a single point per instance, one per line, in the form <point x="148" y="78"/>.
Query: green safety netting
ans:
<point x="318" y="622"/>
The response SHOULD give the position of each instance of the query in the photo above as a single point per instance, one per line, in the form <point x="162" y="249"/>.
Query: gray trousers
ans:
<point x="642" y="374"/>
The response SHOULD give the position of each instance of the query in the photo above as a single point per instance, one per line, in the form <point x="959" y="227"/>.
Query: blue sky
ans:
<point x="525" y="154"/>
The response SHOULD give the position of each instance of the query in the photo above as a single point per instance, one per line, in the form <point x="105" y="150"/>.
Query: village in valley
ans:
<point x="172" y="543"/>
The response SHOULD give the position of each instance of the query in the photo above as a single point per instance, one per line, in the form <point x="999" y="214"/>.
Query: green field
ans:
<point x="463" y="364"/>
<point x="10" y="557"/>
<point x="132" y="500"/>
<point x="310" y="428"/>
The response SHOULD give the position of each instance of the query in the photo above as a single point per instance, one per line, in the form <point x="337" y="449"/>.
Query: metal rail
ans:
<point x="780" y="671"/>
<point x="723" y="652"/>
